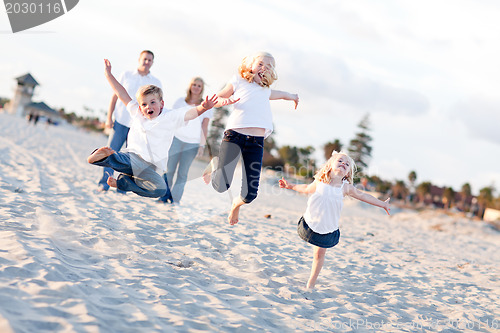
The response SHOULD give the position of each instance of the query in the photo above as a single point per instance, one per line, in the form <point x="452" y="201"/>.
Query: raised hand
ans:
<point x="283" y="183"/>
<point x="387" y="206"/>
<point x="107" y="66"/>
<point x="228" y="101"/>
<point x="295" y="100"/>
<point x="207" y="104"/>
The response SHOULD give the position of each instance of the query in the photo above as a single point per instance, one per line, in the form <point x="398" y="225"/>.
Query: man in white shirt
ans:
<point x="131" y="81"/>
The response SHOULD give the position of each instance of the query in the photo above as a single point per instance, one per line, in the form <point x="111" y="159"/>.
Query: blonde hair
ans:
<point x="325" y="173"/>
<point x="190" y="94"/>
<point x="148" y="90"/>
<point x="245" y="69"/>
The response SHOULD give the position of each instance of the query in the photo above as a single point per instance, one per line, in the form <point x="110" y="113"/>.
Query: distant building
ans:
<point x="22" y="105"/>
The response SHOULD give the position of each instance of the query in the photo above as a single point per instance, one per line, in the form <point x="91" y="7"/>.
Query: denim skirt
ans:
<point x="322" y="240"/>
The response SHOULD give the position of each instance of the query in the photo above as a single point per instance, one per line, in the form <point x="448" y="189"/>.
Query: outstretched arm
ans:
<point x="224" y="96"/>
<point x="278" y="94"/>
<point x="365" y="197"/>
<point x="301" y="188"/>
<point x="206" y="105"/>
<point x="117" y="87"/>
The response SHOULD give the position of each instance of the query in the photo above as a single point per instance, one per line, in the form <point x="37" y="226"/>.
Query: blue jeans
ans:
<point x="136" y="175"/>
<point x="117" y="138"/>
<point x="180" y="157"/>
<point x="251" y="149"/>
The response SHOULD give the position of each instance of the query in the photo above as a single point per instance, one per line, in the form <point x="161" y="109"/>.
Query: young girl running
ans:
<point x="320" y="224"/>
<point x="248" y="125"/>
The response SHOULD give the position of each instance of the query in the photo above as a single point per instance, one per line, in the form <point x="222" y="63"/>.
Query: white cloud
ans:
<point x="481" y="116"/>
<point x="405" y="62"/>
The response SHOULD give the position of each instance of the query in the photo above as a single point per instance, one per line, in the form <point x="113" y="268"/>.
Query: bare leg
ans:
<point x="235" y="211"/>
<point x="211" y="167"/>
<point x="99" y="154"/>
<point x="112" y="182"/>
<point x="318" y="260"/>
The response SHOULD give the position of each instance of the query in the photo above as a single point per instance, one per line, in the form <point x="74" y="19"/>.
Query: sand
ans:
<point x="75" y="260"/>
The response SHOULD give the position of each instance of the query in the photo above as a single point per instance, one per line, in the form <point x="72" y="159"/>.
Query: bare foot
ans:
<point x="112" y="182"/>
<point x="99" y="154"/>
<point x="235" y="211"/>
<point x="207" y="173"/>
<point x="207" y="177"/>
<point x="233" y="214"/>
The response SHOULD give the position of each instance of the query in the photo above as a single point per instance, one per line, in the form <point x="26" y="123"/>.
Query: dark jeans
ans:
<point x="251" y="149"/>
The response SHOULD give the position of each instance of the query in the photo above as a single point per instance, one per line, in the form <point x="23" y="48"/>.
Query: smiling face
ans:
<point x="263" y="68"/>
<point x="196" y="87"/>
<point x="150" y="105"/>
<point x="145" y="62"/>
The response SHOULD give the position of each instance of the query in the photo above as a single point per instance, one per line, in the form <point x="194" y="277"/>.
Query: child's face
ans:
<point x="259" y="66"/>
<point x="341" y="165"/>
<point x="150" y="106"/>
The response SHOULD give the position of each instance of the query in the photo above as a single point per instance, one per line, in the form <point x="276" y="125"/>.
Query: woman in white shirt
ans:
<point x="187" y="143"/>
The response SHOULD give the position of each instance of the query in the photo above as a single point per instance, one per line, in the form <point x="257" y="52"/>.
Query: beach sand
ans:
<point x="75" y="260"/>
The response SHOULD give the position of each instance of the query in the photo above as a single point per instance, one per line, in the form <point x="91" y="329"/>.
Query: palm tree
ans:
<point x="399" y="190"/>
<point x="485" y="199"/>
<point x="423" y="189"/>
<point x="329" y="147"/>
<point x="448" y="197"/>
<point x="465" y="193"/>
<point x="412" y="177"/>
<point x="289" y="155"/>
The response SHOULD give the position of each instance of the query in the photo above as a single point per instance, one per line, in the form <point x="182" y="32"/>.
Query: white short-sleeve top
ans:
<point x="131" y="81"/>
<point x="151" y="138"/>
<point x="191" y="133"/>
<point x="253" y="109"/>
<point x="323" y="208"/>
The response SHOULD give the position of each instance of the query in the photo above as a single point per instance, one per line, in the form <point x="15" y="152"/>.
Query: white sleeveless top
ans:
<point x="323" y="208"/>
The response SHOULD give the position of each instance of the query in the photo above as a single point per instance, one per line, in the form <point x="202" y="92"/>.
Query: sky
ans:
<point x="426" y="72"/>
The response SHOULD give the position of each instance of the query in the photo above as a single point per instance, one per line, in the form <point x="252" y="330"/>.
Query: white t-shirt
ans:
<point x="323" y="208"/>
<point x="131" y="81"/>
<point x="151" y="139"/>
<point x="191" y="133"/>
<point x="253" y="109"/>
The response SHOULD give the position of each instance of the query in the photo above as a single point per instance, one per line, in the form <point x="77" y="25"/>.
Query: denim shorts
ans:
<point x="322" y="240"/>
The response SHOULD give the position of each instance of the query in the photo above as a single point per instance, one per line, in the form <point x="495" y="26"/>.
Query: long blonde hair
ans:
<point x="325" y="173"/>
<point x="245" y="69"/>
<point x="190" y="94"/>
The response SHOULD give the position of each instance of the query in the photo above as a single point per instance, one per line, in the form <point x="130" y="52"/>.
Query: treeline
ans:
<point x="3" y="101"/>
<point x="299" y="161"/>
<point x="89" y="121"/>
